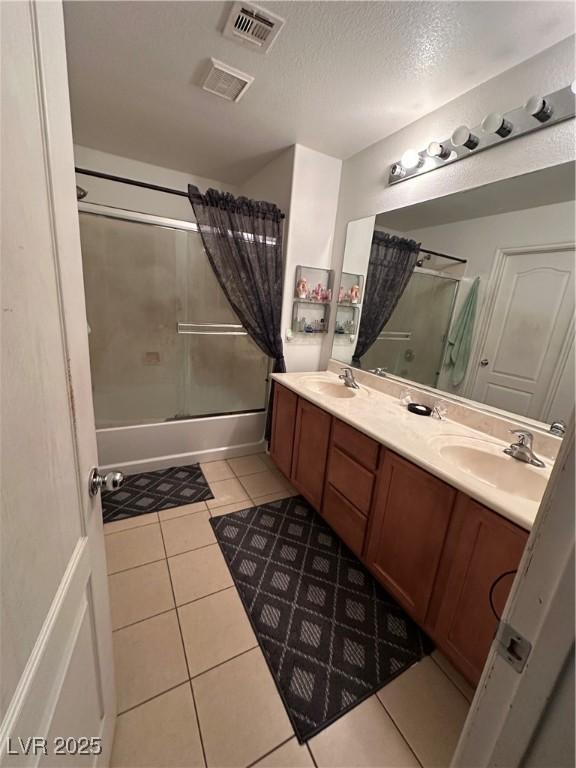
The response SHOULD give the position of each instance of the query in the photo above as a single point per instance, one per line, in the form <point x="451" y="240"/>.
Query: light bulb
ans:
<point x="397" y="171"/>
<point x="462" y="137"/>
<point x="411" y="159"/>
<point x="538" y="108"/>
<point x="495" y="123"/>
<point x="435" y="149"/>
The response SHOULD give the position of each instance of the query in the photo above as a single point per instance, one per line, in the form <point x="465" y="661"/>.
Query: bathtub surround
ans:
<point x="330" y="634"/>
<point x="155" y="491"/>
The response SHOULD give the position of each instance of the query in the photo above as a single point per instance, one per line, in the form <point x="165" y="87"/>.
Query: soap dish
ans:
<point x="420" y="410"/>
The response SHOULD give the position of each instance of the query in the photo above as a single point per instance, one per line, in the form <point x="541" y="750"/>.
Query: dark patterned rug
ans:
<point x="330" y="634"/>
<point x="154" y="491"/>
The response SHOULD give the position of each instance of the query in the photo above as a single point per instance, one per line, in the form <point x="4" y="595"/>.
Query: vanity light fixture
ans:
<point x="538" y="108"/>
<point x="495" y="123"/>
<point x="463" y="137"/>
<point x="397" y="171"/>
<point x="435" y="149"/>
<point x="538" y="112"/>
<point x="411" y="159"/>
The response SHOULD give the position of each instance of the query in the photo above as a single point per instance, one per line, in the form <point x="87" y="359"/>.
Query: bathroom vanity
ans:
<point x="434" y="535"/>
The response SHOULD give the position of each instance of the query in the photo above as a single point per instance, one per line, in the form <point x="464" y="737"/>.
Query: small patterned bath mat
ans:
<point x="154" y="491"/>
<point x="330" y="634"/>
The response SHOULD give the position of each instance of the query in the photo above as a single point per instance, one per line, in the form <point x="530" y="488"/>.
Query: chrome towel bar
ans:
<point x="211" y="329"/>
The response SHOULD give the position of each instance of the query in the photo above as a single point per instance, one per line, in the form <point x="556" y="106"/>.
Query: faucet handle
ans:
<point x="524" y="437"/>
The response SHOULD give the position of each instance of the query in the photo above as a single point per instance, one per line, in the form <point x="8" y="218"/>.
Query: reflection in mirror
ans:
<point x="471" y="293"/>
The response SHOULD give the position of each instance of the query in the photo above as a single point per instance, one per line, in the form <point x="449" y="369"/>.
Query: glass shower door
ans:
<point x="144" y="283"/>
<point x="224" y="369"/>
<point x="412" y="342"/>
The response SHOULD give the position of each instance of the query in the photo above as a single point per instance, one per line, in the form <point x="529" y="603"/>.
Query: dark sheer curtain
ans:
<point x="392" y="261"/>
<point x="243" y="242"/>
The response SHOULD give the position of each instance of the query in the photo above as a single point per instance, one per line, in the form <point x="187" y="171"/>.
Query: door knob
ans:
<point x="111" y="481"/>
<point x="484" y="362"/>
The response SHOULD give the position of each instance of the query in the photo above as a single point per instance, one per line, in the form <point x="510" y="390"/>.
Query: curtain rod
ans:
<point x="444" y="256"/>
<point x="134" y="182"/>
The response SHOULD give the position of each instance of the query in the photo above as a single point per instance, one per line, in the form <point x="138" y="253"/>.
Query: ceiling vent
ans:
<point x="253" y="26"/>
<point x="225" y="81"/>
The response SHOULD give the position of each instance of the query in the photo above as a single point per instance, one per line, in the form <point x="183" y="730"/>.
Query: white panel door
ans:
<point x="530" y="332"/>
<point x="56" y="640"/>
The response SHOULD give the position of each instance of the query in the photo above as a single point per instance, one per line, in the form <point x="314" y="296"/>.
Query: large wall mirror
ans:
<point x="471" y="294"/>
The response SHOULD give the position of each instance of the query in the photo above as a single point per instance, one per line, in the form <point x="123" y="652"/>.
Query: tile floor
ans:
<point x="193" y="686"/>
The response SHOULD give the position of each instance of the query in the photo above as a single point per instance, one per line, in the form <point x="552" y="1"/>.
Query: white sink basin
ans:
<point x="332" y="389"/>
<point x="487" y="462"/>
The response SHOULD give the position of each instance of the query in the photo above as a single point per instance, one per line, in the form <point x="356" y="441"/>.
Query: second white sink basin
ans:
<point x="487" y="462"/>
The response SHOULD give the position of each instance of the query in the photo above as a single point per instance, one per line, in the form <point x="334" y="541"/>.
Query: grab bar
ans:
<point x="190" y="329"/>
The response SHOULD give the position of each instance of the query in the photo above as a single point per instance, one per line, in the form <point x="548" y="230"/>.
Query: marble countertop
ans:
<point x="386" y="419"/>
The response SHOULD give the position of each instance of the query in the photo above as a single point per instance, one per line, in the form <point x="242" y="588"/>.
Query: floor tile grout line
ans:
<point x="156" y="696"/>
<point x="185" y="653"/>
<point x="221" y="663"/>
<point x="186" y="551"/>
<point x="133" y="567"/>
<point x="271" y="751"/>
<point x="203" y="597"/>
<point x="395" y="724"/>
<point x="460" y="691"/>
<point x="198" y="723"/>
<point x="309" y="748"/>
<point x="130" y="527"/>
<point x="146" y="618"/>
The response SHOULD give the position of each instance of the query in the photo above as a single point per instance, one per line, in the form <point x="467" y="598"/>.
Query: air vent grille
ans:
<point x="225" y="81"/>
<point x="253" y="26"/>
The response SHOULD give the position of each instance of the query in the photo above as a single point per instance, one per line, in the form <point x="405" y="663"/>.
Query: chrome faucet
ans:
<point x="522" y="450"/>
<point x="379" y="372"/>
<point x="558" y="427"/>
<point x="347" y="377"/>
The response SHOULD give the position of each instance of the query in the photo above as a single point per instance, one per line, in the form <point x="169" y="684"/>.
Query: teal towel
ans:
<point x="460" y="338"/>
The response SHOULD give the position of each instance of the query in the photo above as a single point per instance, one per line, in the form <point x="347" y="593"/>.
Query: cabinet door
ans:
<point x="283" y="426"/>
<point x="310" y="451"/>
<point x="480" y="548"/>
<point x="408" y="527"/>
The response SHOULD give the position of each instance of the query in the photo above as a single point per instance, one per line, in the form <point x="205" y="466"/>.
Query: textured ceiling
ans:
<point x="341" y="76"/>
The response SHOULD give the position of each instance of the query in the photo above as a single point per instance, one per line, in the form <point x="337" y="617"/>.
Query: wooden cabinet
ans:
<point x="283" y="425"/>
<point x="435" y="550"/>
<point x="345" y="519"/>
<point x="408" y="526"/>
<point x="350" y="481"/>
<point x="481" y="548"/>
<point x="310" y="452"/>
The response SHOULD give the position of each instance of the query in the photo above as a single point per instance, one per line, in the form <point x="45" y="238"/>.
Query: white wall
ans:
<point x="356" y="256"/>
<point x="273" y="183"/>
<point x="305" y="185"/>
<point x="313" y="206"/>
<point x="132" y="198"/>
<point x="364" y="190"/>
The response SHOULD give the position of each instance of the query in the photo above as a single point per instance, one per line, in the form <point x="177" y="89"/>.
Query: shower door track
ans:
<point x="109" y="212"/>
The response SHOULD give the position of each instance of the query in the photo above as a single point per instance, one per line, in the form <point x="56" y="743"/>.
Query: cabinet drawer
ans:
<point x="344" y="519"/>
<point x="364" y="449"/>
<point x="351" y="479"/>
